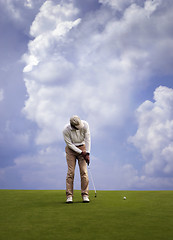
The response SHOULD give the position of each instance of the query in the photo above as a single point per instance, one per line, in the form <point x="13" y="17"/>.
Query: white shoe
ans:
<point x="86" y="199"/>
<point x="69" y="200"/>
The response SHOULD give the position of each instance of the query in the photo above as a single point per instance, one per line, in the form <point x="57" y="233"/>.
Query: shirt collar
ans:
<point x="72" y="129"/>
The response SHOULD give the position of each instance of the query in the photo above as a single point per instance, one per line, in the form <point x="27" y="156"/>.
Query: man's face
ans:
<point x="74" y="127"/>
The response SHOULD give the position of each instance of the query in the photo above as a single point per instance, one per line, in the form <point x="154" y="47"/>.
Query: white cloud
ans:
<point x="92" y="66"/>
<point x="120" y="5"/>
<point x="13" y="11"/>
<point x="117" y="4"/>
<point x="54" y="18"/>
<point x="28" y="3"/>
<point x="151" y="6"/>
<point x="20" y="13"/>
<point x="75" y="62"/>
<point x="48" y="28"/>
<point x="41" y="170"/>
<point x="1" y="95"/>
<point x="154" y="137"/>
<point x="15" y="7"/>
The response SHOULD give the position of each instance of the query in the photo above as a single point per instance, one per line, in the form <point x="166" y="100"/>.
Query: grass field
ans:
<point x="44" y="215"/>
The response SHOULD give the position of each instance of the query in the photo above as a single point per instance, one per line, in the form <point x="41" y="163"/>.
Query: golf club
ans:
<point x="92" y="181"/>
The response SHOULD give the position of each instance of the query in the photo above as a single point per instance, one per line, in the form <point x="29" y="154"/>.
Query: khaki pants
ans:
<point x="71" y="157"/>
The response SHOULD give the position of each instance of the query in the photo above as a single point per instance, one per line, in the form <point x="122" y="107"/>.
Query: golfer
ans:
<point x="77" y="137"/>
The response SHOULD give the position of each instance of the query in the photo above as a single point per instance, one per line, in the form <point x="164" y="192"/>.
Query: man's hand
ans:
<point x="83" y="154"/>
<point x="86" y="157"/>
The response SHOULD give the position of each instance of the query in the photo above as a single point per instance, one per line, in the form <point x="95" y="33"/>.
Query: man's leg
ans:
<point x="71" y="162"/>
<point x="83" y="174"/>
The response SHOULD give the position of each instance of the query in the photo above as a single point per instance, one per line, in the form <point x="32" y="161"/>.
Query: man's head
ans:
<point x="76" y="123"/>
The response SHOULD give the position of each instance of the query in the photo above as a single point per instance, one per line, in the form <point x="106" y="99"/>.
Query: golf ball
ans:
<point x="124" y="198"/>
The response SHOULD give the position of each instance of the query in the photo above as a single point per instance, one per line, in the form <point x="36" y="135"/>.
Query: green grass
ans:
<point x="44" y="215"/>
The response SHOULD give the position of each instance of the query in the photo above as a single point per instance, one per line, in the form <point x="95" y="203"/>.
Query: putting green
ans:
<point x="44" y="215"/>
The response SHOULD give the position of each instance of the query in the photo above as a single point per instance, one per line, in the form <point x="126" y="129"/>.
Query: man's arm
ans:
<point x="87" y="143"/>
<point x="87" y="138"/>
<point x="69" y="143"/>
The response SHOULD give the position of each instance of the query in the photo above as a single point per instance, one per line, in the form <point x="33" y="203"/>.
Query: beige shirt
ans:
<point x="74" y="138"/>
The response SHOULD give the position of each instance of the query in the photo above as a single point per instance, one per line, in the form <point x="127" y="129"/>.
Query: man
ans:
<point x="77" y="137"/>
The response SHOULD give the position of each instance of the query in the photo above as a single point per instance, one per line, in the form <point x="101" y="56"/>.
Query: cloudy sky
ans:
<point x="108" y="61"/>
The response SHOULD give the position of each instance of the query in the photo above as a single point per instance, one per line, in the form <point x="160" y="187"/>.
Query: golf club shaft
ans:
<point x="92" y="180"/>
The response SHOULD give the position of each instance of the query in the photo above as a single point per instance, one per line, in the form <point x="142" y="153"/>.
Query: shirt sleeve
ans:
<point x="87" y="138"/>
<point x="69" y="143"/>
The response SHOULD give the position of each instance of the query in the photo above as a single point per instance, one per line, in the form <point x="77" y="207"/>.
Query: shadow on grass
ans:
<point x="78" y="202"/>
<point x="58" y="203"/>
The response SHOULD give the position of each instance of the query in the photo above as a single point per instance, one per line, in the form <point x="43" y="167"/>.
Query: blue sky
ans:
<point x="108" y="61"/>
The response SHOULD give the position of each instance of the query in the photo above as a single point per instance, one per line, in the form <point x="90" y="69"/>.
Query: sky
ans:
<point x="107" y="61"/>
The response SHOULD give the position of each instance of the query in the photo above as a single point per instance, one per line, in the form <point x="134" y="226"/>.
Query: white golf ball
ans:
<point x="124" y="198"/>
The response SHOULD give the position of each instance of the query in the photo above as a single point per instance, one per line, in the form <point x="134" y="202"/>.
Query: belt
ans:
<point x="80" y="145"/>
